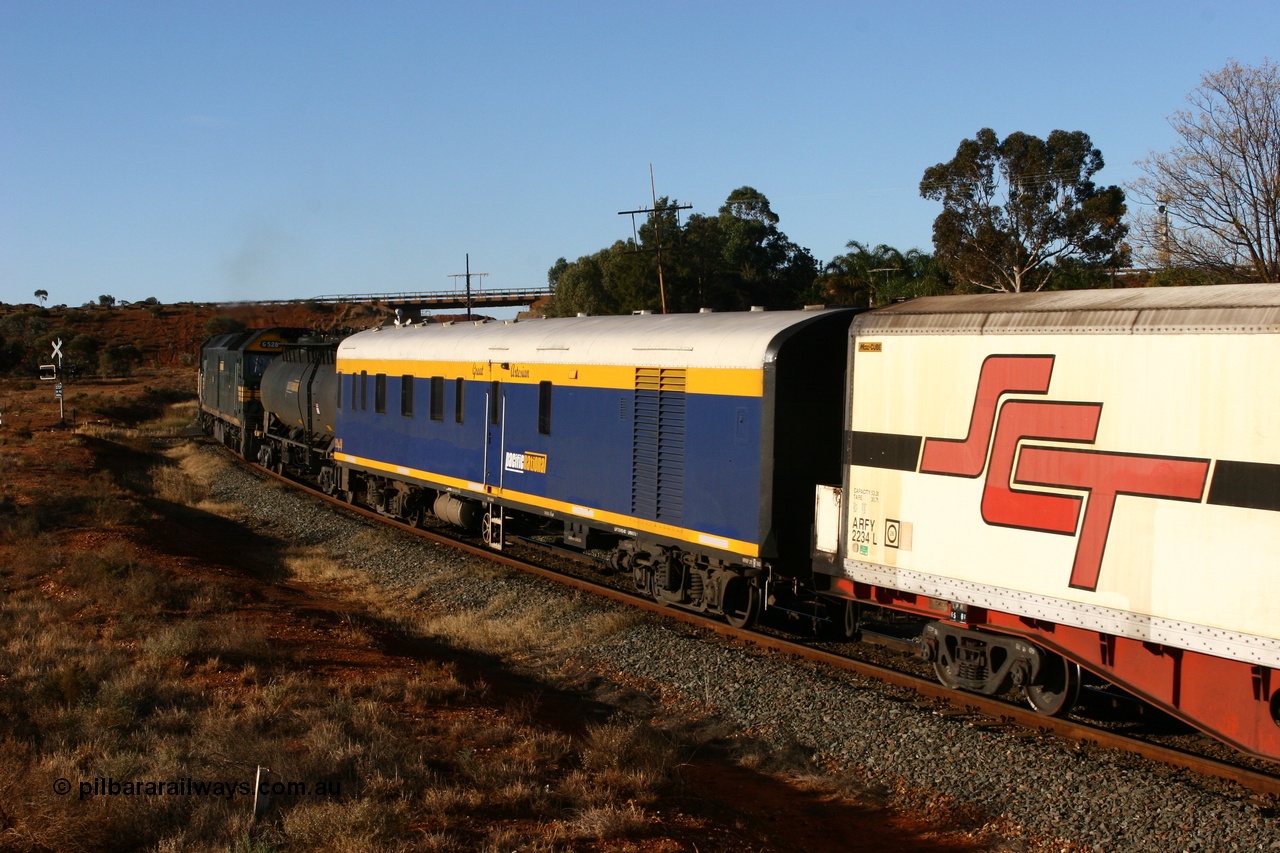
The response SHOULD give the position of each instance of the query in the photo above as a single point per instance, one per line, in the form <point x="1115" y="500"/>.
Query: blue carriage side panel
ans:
<point x="444" y="447"/>
<point x="594" y="458"/>
<point x="580" y="464"/>
<point x="722" y="466"/>
<point x="679" y="428"/>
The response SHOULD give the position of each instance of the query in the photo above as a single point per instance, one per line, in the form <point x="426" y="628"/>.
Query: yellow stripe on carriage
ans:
<point x="727" y="381"/>
<point x="733" y="546"/>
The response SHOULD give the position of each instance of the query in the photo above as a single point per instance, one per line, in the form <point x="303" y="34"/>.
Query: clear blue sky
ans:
<point x="217" y="151"/>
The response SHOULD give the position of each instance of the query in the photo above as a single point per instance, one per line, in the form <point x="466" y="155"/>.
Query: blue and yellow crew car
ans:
<point x="688" y="444"/>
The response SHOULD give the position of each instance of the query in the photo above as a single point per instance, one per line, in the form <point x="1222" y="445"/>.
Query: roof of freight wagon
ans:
<point x="742" y="339"/>
<point x="1207" y="308"/>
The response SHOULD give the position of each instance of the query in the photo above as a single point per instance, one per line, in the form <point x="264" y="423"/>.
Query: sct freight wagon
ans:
<point x="1073" y="479"/>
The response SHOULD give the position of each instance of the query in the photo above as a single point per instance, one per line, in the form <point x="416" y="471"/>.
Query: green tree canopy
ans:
<point x="222" y="325"/>
<point x="82" y="352"/>
<point x="1013" y="211"/>
<point x="119" y="360"/>
<point x="730" y="261"/>
<point x="615" y="280"/>
<point x="870" y="277"/>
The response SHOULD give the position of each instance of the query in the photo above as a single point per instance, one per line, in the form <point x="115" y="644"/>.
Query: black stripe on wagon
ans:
<point x="1252" y="485"/>
<point x="884" y="450"/>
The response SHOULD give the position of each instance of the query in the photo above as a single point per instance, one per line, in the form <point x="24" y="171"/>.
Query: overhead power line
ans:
<point x="657" y="230"/>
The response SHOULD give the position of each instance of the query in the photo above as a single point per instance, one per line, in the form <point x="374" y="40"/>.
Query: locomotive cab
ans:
<point x="231" y="368"/>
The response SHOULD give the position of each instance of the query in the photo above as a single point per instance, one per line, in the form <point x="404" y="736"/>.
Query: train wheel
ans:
<point x="946" y="667"/>
<point x="1059" y="689"/>
<point x="491" y="527"/>
<point x="741" y="604"/>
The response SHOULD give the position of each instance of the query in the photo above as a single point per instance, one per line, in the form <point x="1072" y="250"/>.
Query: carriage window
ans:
<point x="380" y="393"/>
<point x="544" y="408"/>
<point x="406" y="396"/>
<point x="495" y="402"/>
<point x="339" y="391"/>
<point x="457" y="400"/>
<point x="364" y="391"/>
<point x="257" y="364"/>
<point x="437" y="398"/>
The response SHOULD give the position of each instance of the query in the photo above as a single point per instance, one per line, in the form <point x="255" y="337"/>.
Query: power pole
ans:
<point x="467" y="275"/>
<point x="1162" y="230"/>
<point x="657" y="231"/>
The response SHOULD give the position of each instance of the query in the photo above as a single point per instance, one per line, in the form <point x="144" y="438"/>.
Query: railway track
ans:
<point x="977" y="711"/>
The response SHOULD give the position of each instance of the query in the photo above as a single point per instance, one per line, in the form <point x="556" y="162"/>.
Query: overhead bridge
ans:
<point x="412" y="304"/>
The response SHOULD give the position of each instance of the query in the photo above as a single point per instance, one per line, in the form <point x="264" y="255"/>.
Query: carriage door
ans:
<point x="495" y="446"/>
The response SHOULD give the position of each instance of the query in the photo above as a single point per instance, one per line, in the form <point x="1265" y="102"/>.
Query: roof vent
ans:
<point x="706" y="310"/>
<point x="583" y="314"/>
<point x="641" y="311"/>
<point x="815" y="308"/>
<point x="757" y="307"/>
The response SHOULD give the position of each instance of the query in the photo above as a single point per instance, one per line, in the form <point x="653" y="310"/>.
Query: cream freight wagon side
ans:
<point x="1096" y="472"/>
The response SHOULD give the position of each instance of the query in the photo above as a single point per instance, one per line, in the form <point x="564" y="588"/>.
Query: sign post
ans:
<point x="57" y="387"/>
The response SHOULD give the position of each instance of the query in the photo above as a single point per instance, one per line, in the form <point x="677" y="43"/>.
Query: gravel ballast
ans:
<point x="1037" y="793"/>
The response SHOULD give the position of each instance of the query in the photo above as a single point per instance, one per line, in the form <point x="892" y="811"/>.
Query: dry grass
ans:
<point x="502" y="626"/>
<point x="605" y="822"/>
<point x="112" y="667"/>
<point x="176" y="417"/>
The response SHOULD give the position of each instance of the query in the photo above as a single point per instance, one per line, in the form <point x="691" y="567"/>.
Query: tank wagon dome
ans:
<point x="741" y="340"/>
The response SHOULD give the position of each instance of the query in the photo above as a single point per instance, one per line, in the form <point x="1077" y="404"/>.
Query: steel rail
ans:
<point x="1000" y="712"/>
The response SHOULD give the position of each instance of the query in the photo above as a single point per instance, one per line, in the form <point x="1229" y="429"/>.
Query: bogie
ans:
<point x="988" y="663"/>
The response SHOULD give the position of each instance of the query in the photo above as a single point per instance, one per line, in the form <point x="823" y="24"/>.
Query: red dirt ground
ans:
<point x="734" y="807"/>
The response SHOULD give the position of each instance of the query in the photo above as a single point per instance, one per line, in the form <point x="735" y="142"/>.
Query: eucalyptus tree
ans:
<point x="769" y="269"/>
<point x="615" y="280"/>
<point x="730" y="261"/>
<point x="1013" y="209"/>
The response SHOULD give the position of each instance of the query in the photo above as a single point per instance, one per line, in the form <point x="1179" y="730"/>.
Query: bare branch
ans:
<point x="1221" y="185"/>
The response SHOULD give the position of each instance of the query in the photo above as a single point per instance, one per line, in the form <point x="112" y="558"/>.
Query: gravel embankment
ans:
<point x="1049" y="794"/>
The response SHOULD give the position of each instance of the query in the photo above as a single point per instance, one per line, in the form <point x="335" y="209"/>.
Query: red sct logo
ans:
<point x="1001" y="425"/>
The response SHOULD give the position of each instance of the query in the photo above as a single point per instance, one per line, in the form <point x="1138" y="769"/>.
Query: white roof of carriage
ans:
<point x="1224" y="308"/>
<point x="739" y="339"/>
